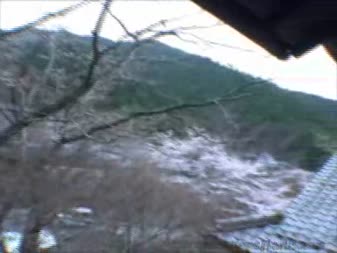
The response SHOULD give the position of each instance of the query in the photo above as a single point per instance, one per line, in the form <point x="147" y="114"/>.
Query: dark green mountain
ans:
<point x="293" y="126"/>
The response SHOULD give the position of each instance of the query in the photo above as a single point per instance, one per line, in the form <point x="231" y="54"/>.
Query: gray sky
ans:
<point x="314" y="73"/>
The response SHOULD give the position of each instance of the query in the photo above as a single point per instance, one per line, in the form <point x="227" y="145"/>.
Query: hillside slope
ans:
<point x="292" y="126"/>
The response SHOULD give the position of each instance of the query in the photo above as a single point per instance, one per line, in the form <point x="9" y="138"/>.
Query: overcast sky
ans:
<point x="314" y="73"/>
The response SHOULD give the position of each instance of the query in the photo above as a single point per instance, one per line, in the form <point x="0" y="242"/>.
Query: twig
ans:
<point x="31" y="25"/>
<point x="71" y="97"/>
<point x="143" y="114"/>
<point x="126" y="30"/>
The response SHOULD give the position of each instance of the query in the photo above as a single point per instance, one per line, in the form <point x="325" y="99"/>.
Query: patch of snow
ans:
<point x="82" y="210"/>
<point x="12" y="241"/>
<point x="46" y="239"/>
<point x="203" y="163"/>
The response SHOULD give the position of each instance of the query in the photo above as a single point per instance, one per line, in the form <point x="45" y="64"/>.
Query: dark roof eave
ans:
<point x="247" y="24"/>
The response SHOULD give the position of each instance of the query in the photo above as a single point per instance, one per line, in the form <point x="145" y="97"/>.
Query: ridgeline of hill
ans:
<point x="292" y="126"/>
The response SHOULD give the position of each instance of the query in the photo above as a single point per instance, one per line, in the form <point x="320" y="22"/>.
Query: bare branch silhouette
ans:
<point x="33" y="24"/>
<point x="141" y="114"/>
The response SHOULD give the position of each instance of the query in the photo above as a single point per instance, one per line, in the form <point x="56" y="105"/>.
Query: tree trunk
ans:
<point x="31" y="234"/>
<point x="30" y="243"/>
<point x="128" y="239"/>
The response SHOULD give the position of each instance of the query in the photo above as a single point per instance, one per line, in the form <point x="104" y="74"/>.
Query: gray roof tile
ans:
<point x="310" y="223"/>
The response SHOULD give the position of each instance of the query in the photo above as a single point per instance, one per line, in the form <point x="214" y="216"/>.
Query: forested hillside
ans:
<point x="292" y="126"/>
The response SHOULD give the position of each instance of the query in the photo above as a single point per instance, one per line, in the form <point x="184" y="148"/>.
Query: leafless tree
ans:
<point x="149" y="211"/>
<point x="57" y="100"/>
<point x="64" y="101"/>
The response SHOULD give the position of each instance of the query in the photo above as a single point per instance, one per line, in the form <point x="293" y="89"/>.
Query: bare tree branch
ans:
<point x="217" y="44"/>
<point x="7" y="116"/>
<point x="140" y="114"/>
<point x="69" y="98"/>
<point x="126" y="30"/>
<point x="41" y="20"/>
<point x="49" y="67"/>
<point x="87" y="82"/>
